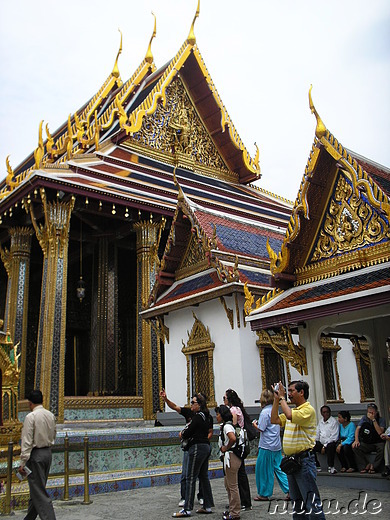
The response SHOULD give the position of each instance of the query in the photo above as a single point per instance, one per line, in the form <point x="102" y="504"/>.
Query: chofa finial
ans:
<point x="320" y="128"/>
<point x="149" y="55"/>
<point x="191" y="37"/>
<point x="115" y="70"/>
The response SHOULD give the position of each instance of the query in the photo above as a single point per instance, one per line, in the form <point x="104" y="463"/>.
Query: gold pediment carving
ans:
<point x="194" y="259"/>
<point x="351" y="223"/>
<point x="176" y="128"/>
<point x="198" y="339"/>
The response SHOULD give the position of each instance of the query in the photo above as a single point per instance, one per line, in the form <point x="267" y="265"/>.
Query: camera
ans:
<point x="276" y="387"/>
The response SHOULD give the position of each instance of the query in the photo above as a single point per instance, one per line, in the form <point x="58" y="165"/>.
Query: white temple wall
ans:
<point x="236" y="358"/>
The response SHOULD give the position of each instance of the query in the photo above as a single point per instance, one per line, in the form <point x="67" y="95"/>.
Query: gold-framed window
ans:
<point x="273" y="368"/>
<point x="199" y="352"/>
<point x="363" y="363"/>
<point x="330" y="349"/>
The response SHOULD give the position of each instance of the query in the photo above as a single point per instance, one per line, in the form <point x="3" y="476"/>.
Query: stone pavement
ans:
<point x="159" y="502"/>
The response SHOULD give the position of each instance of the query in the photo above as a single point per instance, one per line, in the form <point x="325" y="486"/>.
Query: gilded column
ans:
<point x="53" y="237"/>
<point x="147" y="341"/>
<point x="17" y="264"/>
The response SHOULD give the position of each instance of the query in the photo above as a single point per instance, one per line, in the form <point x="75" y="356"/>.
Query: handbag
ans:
<point x="290" y="465"/>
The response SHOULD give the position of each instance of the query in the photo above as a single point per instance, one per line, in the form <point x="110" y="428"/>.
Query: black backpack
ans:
<point x="368" y="434"/>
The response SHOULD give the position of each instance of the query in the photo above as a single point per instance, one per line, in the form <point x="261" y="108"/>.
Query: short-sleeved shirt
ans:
<point x="240" y="416"/>
<point x="270" y="433"/>
<point x="300" y="432"/>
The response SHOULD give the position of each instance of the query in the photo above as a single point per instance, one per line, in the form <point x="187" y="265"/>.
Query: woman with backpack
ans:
<point x="231" y="462"/>
<point x="240" y="416"/>
<point x="270" y="452"/>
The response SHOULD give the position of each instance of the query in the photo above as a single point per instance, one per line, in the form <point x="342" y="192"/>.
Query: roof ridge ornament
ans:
<point x="320" y="128"/>
<point x="39" y="151"/>
<point x="191" y="36"/>
<point x="115" y="70"/>
<point x="149" y="55"/>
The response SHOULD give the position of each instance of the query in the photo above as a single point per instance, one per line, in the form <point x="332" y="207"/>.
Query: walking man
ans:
<point x="299" y="438"/>
<point x="38" y="436"/>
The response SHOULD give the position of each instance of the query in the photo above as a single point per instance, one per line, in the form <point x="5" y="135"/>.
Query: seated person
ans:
<point x="368" y="439"/>
<point x="327" y="438"/>
<point x="347" y="437"/>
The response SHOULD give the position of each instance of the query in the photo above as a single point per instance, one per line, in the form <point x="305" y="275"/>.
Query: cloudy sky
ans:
<point x="262" y="56"/>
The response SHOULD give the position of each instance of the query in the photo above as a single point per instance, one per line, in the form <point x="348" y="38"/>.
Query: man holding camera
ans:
<point x="300" y="427"/>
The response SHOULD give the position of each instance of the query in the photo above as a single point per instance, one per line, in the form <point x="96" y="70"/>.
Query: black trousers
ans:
<point x="330" y="451"/>
<point x="39" y="502"/>
<point x="347" y="457"/>
<point x="243" y="487"/>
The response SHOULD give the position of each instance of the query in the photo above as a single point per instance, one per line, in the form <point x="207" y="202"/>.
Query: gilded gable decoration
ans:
<point x="283" y="344"/>
<point x="175" y="127"/>
<point x="194" y="259"/>
<point x="350" y="224"/>
<point x="200" y="373"/>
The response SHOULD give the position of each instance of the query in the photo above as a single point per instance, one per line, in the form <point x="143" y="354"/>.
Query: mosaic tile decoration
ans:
<point x="111" y="481"/>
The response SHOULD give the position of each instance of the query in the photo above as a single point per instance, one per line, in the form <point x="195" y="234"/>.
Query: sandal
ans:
<point x="343" y="470"/>
<point x="261" y="499"/>
<point x="364" y="470"/>
<point x="371" y="471"/>
<point x="351" y="470"/>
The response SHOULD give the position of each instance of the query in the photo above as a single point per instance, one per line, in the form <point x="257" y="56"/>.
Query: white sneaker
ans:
<point x="332" y="470"/>
<point x="319" y="470"/>
<point x="181" y="503"/>
<point x="201" y="501"/>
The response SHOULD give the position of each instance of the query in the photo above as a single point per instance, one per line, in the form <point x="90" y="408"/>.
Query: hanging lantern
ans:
<point x="80" y="290"/>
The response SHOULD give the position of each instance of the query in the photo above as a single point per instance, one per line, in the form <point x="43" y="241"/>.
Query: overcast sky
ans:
<point x="261" y="54"/>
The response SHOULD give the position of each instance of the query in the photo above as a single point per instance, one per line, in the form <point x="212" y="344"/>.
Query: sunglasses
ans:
<point x="194" y="402"/>
<point x="224" y="397"/>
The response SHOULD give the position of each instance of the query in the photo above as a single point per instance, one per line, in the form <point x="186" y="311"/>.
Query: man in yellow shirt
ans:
<point x="300" y="427"/>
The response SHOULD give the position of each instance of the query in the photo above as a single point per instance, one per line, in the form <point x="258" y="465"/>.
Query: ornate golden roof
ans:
<point x="362" y="184"/>
<point x="112" y="109"/>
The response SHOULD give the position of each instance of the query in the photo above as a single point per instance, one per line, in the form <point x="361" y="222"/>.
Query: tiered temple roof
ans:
<point x="335" y="255"/>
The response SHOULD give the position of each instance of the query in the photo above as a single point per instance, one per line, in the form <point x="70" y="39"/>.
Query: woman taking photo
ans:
<point x="198" y="458"/>
<point x="239" y="413"/>
<point x="231" y="463"/>
<point x="270" y="451"/>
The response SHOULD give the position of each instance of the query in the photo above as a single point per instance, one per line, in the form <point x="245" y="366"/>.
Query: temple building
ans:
<point x="332" y="278"/>
<point x="137" y="253"/>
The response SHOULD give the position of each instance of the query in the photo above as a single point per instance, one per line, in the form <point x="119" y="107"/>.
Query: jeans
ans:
<point x="304" y="491"/>
<point x="198" y="467"/>
<point x="183" y="478"/>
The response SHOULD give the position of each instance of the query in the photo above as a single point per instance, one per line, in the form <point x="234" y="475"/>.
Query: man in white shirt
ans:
<point x="38" y="436"/>
<point x="327" y="438"/>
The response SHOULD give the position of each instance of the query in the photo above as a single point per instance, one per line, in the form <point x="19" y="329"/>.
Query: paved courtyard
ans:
<point x="157" y="503"/>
